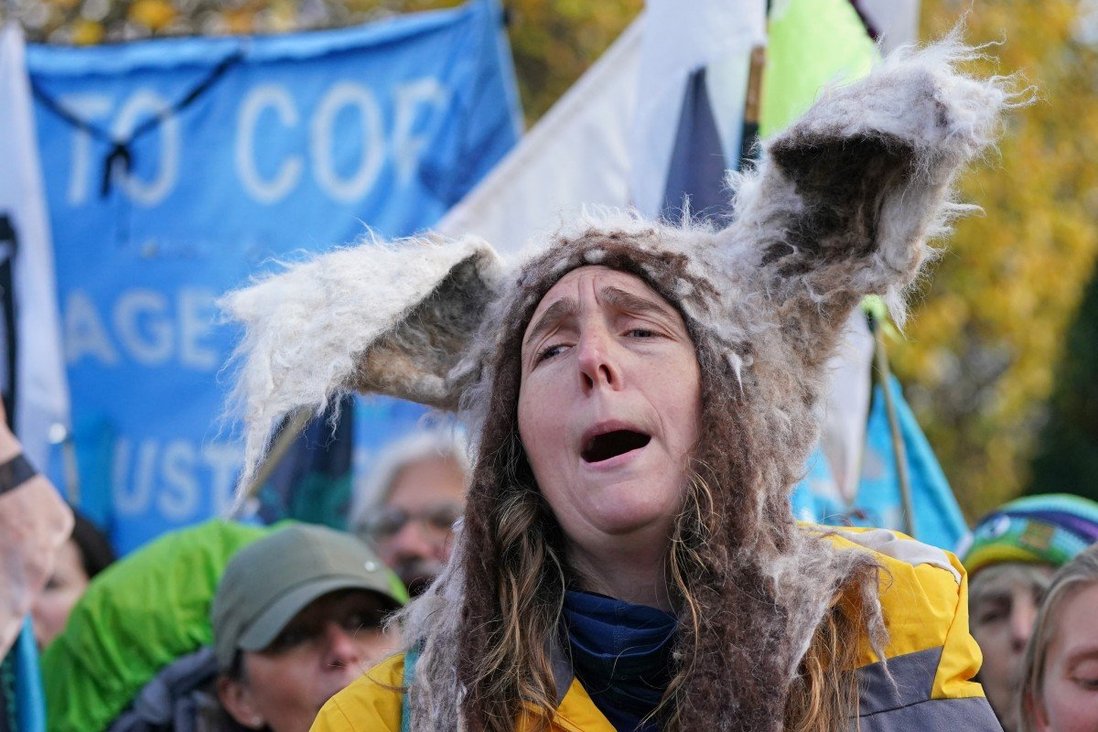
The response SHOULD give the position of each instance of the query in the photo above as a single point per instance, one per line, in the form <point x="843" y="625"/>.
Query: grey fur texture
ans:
<point x="377" y="318"/>
<point x="841" y="205"/>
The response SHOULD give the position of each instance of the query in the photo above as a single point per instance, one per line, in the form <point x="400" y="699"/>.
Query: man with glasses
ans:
<point x="408" y="508"/>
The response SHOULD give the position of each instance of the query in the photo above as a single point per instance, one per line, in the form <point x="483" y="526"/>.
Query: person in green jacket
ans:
<point x="221" y="626"/>
<point x="138" y="616"/>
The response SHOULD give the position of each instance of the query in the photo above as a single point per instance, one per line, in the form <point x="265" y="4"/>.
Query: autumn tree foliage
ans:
<point x="1067" y="450"/>
<point x="981" y="356"/>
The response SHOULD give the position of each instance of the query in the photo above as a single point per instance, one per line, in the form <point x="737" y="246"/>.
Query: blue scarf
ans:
<point x="621" y="653"/>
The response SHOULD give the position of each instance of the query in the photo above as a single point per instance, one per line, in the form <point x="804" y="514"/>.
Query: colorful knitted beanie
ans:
<point x="1045" y="529"/>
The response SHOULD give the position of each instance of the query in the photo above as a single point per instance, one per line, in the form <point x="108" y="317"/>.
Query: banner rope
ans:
<point x="121" y="150"/>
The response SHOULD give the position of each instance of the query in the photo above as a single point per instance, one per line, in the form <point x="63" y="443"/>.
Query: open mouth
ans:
<point x="611" y="444"/>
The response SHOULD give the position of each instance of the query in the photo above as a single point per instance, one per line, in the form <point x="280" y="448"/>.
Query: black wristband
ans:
<point x="15" y="473"/>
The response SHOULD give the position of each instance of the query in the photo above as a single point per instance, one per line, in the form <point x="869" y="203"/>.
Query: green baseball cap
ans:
<point x="270" y="581"/>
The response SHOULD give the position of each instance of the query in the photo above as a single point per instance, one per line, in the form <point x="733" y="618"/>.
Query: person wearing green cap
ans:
<point x="297" y="616"/>
<point x="1010" y="556"/>
<point x="221" y="627"/>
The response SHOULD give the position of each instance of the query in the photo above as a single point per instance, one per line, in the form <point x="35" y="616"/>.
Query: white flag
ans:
<point x="896" y="21"/>
<point x="41" y="388"/>
<point x="679" y="40"/>
<point x="608" y="140"/>
<point x="577" y="155"/>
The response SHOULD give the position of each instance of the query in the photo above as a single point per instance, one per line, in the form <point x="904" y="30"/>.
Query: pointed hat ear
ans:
<point x="846" y="199"/>
<point x="378" y="318"/>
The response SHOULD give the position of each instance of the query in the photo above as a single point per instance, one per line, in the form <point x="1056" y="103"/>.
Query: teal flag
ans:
<point x="937" y="517"/>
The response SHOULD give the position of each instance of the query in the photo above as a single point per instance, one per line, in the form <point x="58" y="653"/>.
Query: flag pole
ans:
<point x="899" y="451"/>
<point x="752" y="109"/>
<point x="286" y="436"/>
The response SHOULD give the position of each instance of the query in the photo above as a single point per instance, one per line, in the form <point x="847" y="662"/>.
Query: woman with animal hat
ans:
<point x="643" y="398"/>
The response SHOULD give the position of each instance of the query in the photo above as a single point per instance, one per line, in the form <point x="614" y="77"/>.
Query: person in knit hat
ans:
<point x="1010" y="556"/>
<point x="642" y="397"/>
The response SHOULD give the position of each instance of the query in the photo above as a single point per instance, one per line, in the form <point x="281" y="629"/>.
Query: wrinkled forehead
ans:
<point x="1007" y="579"/>
<point x="641" y="258"/>
<point x="611" y="287"/>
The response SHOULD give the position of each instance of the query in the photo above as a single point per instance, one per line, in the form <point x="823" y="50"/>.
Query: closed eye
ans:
<point x="289" y="638"/>
<point x="1090" y="684"/>
<point x="360" y="619"/>
<point x="549" y="352"/>
<point x="991" y="611"/>
<point x="641" y="333"/>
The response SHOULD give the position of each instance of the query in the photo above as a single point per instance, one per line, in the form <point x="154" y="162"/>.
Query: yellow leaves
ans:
<point x="153" y="14"/>
<point x="282" y="16"/>
<point x="986" y="338"/>
<point x="555" y="42"/>
<point x="87" y="33"/>
<point x="238" y="21"/>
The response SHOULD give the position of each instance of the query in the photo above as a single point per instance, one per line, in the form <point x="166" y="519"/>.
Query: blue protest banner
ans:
<point x="176" y="168"/>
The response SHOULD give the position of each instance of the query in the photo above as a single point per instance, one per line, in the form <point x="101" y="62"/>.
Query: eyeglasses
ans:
<point x="388" y="521"/>
<point x="357" y="612"/>
<point x="352" y="620"/>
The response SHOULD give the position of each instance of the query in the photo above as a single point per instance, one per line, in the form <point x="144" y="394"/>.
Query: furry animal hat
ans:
<point x="841" y="205"/>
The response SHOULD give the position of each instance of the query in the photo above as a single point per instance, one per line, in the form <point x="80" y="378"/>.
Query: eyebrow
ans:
<point x="633" y="303"/>
<point x="1079" y="655"/>
<point x="613" y="296"/>
<point x="558" y="311"/>
<point x="988" y="596"/>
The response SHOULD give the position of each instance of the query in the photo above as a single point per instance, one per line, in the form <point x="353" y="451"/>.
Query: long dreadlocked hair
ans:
<point x="734" y="667"/>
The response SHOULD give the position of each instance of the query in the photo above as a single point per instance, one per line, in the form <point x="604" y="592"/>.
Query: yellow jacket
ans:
<point x="931" y="657"/>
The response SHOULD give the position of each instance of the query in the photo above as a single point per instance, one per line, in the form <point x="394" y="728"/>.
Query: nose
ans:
<point x="412" y="542"/>
<point x="341" y="650"/>
<point x="1023" y="614"/>
<point x="596" y="359"/>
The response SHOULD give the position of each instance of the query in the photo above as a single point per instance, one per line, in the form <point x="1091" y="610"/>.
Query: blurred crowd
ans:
<point x="1033" y="583"/>
<point x="220" y="626"/>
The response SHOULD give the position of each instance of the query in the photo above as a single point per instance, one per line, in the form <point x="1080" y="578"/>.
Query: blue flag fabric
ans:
<point x="312" y="481"/>
<point x="698" y="166"/>
<point x="937" y="517"/>
<point x="816" y="498"/>
<point x="30" y="705"/>
<point x="177" y="168"/>
<point x="315" y="480"/>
